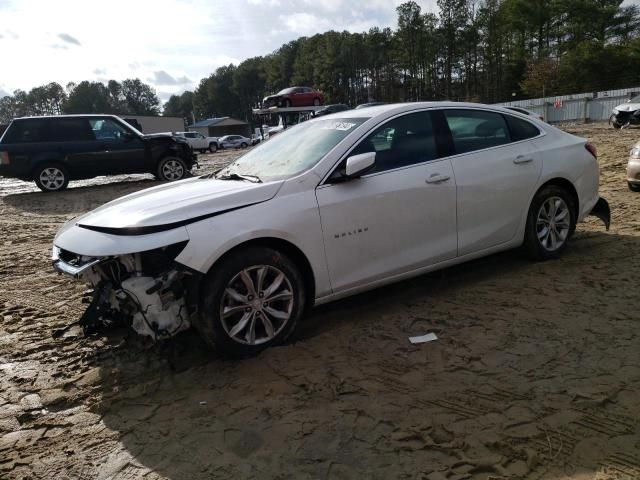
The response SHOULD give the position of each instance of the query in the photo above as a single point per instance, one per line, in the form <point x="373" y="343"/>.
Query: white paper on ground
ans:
<point x="423" y="338"/>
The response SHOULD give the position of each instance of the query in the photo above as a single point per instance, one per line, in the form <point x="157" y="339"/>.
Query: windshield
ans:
<point x="293" y="151"/>
<point x="635" y="99"/>
<point x="286" y="90"/>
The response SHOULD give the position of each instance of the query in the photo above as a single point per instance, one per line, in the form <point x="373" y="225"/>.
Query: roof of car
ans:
<point x="82" y="115"/>
<point x="408" y="106"/>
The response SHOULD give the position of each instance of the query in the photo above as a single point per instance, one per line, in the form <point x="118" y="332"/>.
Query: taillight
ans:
<point x="592" y="150"/>
<point x="4" y="158"/>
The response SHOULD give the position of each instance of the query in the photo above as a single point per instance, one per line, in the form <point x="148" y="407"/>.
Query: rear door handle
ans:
<point x="522" y="159"/>
<point x="437" y="178"/>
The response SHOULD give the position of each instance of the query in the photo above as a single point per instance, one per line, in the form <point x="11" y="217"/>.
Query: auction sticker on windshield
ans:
<point x="343" y="126"/>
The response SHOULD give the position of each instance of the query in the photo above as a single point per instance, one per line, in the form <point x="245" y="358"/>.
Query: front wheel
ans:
<point x="252" y="300"/>
<point x="51" y="177"/>
<point x="213" y="148"/>
<point x="634" y="187"/>
<point x="243" y="145"/>
<point x="550" y="223"/>
<point x="171" y="169"/>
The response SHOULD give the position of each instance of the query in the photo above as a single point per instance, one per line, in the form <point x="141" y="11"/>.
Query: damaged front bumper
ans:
<point x="602" y="211"/>
<point x="147" y="291"/>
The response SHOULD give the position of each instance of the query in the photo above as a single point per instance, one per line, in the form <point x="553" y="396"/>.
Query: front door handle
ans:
<point x="437" y="178"/>
<point x="522" y="159"/>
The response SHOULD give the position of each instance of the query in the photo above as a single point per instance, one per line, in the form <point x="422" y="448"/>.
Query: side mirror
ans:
<point x="128" y="136"/>
<point x="358" y="165"/>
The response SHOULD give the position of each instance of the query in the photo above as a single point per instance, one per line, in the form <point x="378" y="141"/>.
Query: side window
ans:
<point x="476" y="130"/>
<point x="521" y="129"/>
<point x="27" y="131"/>
<point x="190" y="135"/>
<point x="107" y="129"/>
<point x="71" y="130"/>
<point x="400" y="142"/>
<point x="199" y="135"/>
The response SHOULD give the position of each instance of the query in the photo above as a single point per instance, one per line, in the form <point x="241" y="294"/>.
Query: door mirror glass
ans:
<point x="358" y="165"/>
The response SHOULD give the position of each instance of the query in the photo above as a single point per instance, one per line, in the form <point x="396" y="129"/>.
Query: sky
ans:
<point x="170" y="44"/>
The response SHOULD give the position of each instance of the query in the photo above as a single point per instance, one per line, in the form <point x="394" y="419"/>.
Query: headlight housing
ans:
<point x="635" y="152"/>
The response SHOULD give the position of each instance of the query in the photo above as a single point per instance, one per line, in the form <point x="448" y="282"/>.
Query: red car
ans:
<point x="294" y="97"/>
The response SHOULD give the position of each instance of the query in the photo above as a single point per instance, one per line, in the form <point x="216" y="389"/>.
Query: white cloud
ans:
<point x="186" y="39"/>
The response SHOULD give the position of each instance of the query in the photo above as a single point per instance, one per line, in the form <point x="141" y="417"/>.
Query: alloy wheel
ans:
<point x="172" y="170"/>
<point x="256" y="305"/>
<point x="553" y="223"/>
<point x="52" y="178"/>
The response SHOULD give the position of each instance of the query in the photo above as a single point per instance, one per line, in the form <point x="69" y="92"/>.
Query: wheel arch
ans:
<point x="566" y="185"/>
<point x="287" y="248"/>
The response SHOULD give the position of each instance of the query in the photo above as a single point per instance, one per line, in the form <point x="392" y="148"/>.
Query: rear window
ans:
<point x="521" y="129"/>
<point x="70" y="130"/>
<point x="27" y="131"/>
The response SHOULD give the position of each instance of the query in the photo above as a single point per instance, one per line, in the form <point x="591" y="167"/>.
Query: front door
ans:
<point x="119" y="151"/>
<point x="399" y="217"/>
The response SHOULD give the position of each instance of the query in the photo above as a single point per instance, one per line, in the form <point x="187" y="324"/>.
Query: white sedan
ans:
<point x="234" y="141"/>
<point x="327" y="209"/>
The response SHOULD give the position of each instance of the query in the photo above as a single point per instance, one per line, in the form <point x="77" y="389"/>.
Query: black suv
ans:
<point x="53" y="150"/>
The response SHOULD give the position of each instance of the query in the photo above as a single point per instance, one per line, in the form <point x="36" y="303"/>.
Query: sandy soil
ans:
<point x="535" y="374"/>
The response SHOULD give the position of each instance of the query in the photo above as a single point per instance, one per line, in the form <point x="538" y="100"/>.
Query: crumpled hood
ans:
<point x="628" y="107"/>
<point x="178" y="202"/>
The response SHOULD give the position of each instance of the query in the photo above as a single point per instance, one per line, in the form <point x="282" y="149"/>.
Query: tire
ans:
<point x="316" y="101"/>
<point x="203" y="150"/>
<point x="243" y="145"/>
<point x="634" y="187"/>
<point x="545" y="239"/>
<point x="289" y="294"/>
<point x="51" y="177"/>
<point x="287" y="103"/>
<point x="171" y="169"/>
<point x="213" y="148"/>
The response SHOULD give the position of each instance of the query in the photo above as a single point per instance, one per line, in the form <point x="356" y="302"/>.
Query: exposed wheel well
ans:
<point x="290" y="250"/>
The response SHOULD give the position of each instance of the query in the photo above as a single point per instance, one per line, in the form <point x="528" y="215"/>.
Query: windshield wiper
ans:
<point x="237" y="176"/>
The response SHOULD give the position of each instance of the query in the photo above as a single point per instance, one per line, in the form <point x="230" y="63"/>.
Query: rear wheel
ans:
<point x="634" y="187"/>
<point x="252" y="300"/>
<point x="51" y="177"/>
<point x="550" y="223"/>
<point x="203" y="150"/>
<point x="171" y="169"/>
<point x="316" y="101"/>
<point x="243" y="145"/>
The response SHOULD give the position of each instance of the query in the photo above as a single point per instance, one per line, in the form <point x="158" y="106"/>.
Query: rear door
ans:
<point x="397" y="218"/>
<point x="496" y="172"/>
<point x="74" y="139"/>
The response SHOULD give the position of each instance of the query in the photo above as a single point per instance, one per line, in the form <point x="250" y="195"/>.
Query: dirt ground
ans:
<point x="535" y="374"/>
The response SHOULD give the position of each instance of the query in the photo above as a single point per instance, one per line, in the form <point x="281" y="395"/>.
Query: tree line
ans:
<point x="131" y="96"/>
<point x="471" y="50"/>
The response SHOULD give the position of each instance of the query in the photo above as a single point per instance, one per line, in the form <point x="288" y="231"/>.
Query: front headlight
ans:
<point x="635" y="152"/>
<point x="615" y="110"/>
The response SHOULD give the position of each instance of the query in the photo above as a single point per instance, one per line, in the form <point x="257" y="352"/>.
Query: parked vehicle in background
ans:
<point x="370" y="104"/>
<point x="329" y="208"/>
<point x="633" y="168"/>
<point x="626" y="114"/>
<point x="199" y="142"/>
<point x="234" y="141"/>
<point x="54" y="150"/>
<point x="526" y="112"/>
<point x="294" y="97"/>
<point x="328" y="109"/>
